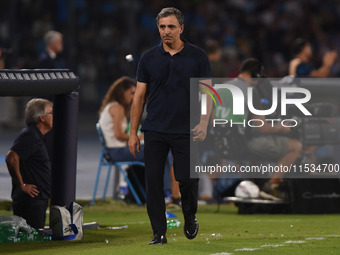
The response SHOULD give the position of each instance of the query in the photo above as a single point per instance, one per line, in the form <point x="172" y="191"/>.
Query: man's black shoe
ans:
<point x="190" y="226"/>
<point x="158" y="239"/>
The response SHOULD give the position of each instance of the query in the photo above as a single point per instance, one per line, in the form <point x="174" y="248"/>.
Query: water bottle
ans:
<point x="173" y="223"/>
<point x="8" y="229"/>
<point x="40" y="237"/>
<point x="7" y="233"/>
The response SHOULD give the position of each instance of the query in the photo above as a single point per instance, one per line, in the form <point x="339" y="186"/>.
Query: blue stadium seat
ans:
<point x="105" y="160"/>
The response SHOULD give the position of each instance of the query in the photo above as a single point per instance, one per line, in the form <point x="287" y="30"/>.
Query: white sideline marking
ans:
<point x="222" y="253"/>
<point x="272" y="245"/>
<point x="128" y="223"/>
<point x="290" y="241"/>
<point x="276" y="245"/>
<point x="247" y="249"/>
<point x="315" y="238"/>
<point x="126" y="226"/>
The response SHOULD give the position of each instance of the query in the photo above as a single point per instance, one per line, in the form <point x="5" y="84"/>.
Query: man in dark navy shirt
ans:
<point x="29" y="165"/>
<point x="165" y="72"/>
<point x="300" y="67"/>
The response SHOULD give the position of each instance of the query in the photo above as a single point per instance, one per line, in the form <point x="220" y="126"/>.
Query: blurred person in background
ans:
<point x="303" y="53"/>
<point x="164" y="74"/>
<point x="54" y="45"/>
<point x="29" y="164"/>
<point x="300" y="67"/>
<point x="113" y="119"/>
<point x="214" y="52"/>
<point x="267" y="140"/>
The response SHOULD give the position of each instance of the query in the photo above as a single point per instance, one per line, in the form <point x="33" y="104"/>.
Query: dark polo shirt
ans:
<point x="35" y="165"/>
<point x="168" y="79"/>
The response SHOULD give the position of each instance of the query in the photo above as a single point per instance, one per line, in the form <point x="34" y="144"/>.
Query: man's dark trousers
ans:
<point x="33" y="210"/>
<point x="156" y="149"/>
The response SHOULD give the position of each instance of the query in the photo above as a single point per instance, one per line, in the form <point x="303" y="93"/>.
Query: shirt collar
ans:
<point x="239" y="78"/>
<point x="182" y="52"/>
<point x="37" y="130"/>
<point x="51" y="53"/>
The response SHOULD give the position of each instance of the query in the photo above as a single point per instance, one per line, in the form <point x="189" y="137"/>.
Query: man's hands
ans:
<point x="136" y="114"/>
<point x="200" y="132"/>
<point x="133" y="143"/>
<point x="30" y="189"/>
<point x="13" y="166"/>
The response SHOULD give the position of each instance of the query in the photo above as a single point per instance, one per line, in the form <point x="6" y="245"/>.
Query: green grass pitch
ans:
<point x="266" y="234"/>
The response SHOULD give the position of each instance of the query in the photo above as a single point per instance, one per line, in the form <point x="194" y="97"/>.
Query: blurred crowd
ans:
<point x="99" y="34"/>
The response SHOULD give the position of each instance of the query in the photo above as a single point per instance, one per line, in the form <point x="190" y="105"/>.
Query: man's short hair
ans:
<point x="165" y="12"/>
<point x="50" y="36"/>
<point x="211" y="46"/>
<point x="34" y="109"/>
<point x="298" y="45"/>
<point x="252" y="66"/>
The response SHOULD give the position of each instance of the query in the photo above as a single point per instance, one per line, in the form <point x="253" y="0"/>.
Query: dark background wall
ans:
<point x="99" y="34"/>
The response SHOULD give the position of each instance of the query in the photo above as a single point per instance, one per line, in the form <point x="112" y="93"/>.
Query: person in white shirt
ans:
<point x="113" y="119"/>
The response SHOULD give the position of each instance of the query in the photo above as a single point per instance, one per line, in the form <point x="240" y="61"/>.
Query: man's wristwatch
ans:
<point x="23" y="185"/>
